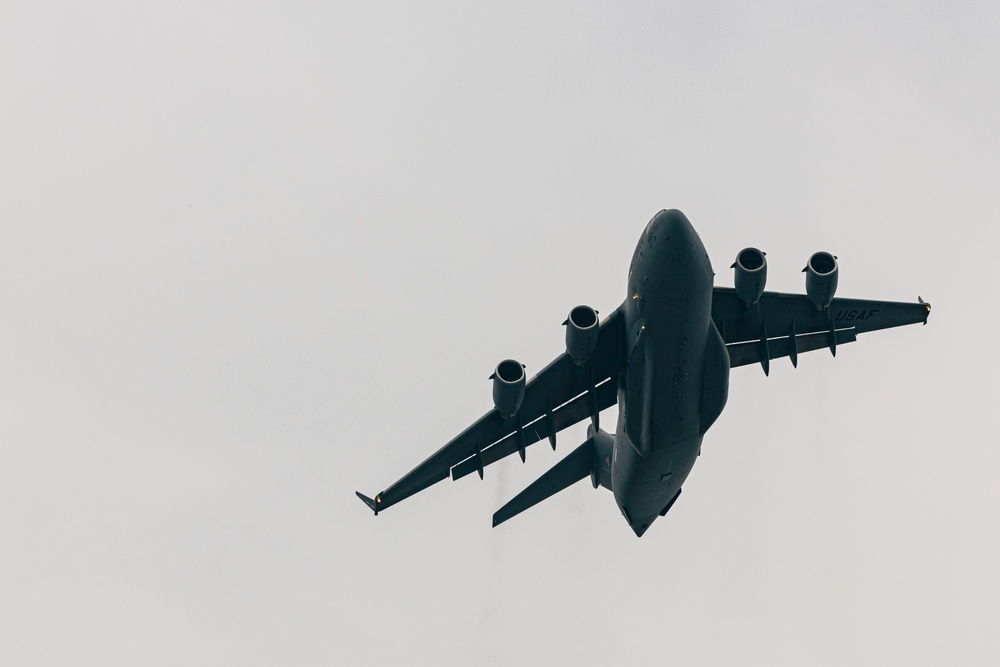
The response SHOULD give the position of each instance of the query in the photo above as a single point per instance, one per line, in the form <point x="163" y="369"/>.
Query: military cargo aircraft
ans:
<point x="664" y="357"/>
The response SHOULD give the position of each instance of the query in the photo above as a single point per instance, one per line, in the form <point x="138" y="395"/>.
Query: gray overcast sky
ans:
<point x="256" y="256"/>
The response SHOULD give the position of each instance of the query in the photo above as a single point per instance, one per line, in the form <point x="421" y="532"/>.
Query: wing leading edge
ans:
<point x="560" y="395"/>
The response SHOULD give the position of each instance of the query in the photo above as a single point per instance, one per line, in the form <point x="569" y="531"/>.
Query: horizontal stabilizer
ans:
<point x="570" y="470"/>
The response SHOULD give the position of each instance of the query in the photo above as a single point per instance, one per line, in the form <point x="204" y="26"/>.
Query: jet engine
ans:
<point x="508" y="387"/>
<point x="821" y="279"/>
<point x="582" y="327"/>
<point x="751" y="274"/>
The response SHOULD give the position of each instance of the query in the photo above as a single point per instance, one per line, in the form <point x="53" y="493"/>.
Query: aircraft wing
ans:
<point x="783" y="325"/>
<point x="560" y="395"/>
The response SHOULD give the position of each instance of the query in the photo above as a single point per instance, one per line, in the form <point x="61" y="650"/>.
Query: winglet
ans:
<point x="372" y="505"/>
<point x="927" y="306"/>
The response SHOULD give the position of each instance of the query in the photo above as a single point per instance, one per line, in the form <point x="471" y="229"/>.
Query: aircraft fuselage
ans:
<point x="668" y="317"/>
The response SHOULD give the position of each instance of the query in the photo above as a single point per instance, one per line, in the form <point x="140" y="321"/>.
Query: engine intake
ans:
<point x="821" y="279"/>
<point x="751" y="275"/>
<point x="582" y="328"/>
<point x="508" y="387"/>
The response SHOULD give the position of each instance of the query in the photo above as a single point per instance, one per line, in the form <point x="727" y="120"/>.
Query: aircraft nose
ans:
<point x="677" y="243"/>
<point x="672" y="223"/>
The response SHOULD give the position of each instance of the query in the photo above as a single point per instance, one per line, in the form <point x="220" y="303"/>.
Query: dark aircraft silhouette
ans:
<point x="664" y="356"/>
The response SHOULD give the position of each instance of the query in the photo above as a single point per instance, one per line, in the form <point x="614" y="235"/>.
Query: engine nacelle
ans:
<point x="751" y="275"/>
<point x="508" y="387"/>
<point x="821" y="279"/>
<point x="582" y="327"/>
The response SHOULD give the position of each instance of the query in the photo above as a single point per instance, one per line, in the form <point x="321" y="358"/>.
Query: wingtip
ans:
<point x="925" y="305"/>
<point x="372" y="505"/>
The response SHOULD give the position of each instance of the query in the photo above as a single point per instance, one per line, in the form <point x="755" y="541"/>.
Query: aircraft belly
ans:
<point x="669" y="315"/>
<point x="677" y="376"/>
<point x="658" y="478"/>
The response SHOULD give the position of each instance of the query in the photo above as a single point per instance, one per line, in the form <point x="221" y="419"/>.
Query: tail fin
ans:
<point x="570" y="470"/>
